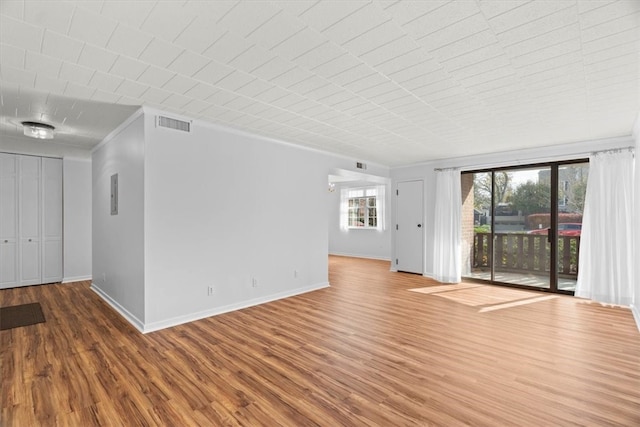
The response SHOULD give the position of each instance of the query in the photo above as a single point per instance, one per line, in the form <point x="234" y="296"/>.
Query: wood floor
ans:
<point x="364" y="352"/>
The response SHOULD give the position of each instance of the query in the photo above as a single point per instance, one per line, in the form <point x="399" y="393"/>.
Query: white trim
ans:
<point x="635" y="309"/>
<point x="32" y="155"/>
<point x="139" y="112"/>
<point x="155" y="326"/>
<point x="133" y="320"/>
<point x="562" y="151"/>
<point x="351" y="255"/>
<point x="76" y="279"/>
<point x="228" y="129"/>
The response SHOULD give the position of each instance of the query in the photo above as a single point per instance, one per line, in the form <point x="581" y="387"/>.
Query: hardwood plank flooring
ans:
<point x="364" y="352"/>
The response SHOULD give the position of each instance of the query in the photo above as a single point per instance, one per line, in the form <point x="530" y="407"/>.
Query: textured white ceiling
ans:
<point x="394" y="82"/>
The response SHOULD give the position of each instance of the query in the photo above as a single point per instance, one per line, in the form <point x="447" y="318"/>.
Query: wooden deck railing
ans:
<point x="517" y="252"/>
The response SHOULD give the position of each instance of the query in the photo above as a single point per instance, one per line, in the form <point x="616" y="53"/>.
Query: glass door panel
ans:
<point x="572" y="186"/>
<point x="477" y="242"/>
<point x="521" y="221"/>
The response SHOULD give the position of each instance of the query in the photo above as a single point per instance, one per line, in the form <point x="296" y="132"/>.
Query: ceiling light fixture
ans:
<point x="38" y="130"/>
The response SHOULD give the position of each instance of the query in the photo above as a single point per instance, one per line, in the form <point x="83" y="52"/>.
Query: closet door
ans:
<point x="51" y="220"/>
<point x="29" y="207"/>
<point x="8" y="220"/>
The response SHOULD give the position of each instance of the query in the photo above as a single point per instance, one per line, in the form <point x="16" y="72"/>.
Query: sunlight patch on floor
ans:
<point x="490" y="298"/>
<point x="445" y="288"/>
<point x="517" y="303"/>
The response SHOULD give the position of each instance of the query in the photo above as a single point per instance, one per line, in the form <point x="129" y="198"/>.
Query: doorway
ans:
<point x="409" y="227"/>
<point x="522" y="225"/>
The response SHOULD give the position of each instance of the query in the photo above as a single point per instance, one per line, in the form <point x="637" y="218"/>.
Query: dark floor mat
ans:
<point x="21" y="315"/>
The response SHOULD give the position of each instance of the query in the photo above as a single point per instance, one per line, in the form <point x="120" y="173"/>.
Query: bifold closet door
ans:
<point x="30" y="210"/>
<point x="30" y="220"/>
<point x="8" y="220"/>
<point x="51" y="220"/>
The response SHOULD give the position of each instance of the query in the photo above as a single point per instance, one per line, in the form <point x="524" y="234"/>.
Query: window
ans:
<point x="363" y="212"/>
<point x="362" y="207"/>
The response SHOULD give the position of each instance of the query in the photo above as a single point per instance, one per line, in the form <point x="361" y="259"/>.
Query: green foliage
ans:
<point x="482" y="229"/>
<point x="578" y="190"/>
<point x="531" y="197"/>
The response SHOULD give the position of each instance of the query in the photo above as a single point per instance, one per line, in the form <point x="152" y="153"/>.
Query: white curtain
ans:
<point x="344" y="209"/>
<point x="447" y="257"/>
<point x="381" y="201"/>
<point x="605" y="268"/>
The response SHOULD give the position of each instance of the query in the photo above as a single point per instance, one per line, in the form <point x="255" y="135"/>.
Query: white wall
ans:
<point x="426" y="172"/>
<point x="364" y="243"/>
<point x="118" y="240"/>
<point x="224" y="208"/>
<point x="243" y="215"/>
<point x="77" y="219"/>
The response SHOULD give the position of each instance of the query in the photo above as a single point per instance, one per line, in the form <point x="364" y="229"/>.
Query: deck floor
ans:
<point x="524" y="279"/>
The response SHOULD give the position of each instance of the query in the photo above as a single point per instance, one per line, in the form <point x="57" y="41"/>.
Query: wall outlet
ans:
<point x="295" y="274"/>
<point x="104" y="277"/>
<point x="210" y="290"/>
<point x="254" y="282"/>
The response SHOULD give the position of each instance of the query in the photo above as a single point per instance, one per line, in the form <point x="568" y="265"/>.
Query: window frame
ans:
<point x="359" y="199"/>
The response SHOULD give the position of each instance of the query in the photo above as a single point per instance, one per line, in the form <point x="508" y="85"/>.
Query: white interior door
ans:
<point x="8" y="220"/>
<point x="410" y="227"/>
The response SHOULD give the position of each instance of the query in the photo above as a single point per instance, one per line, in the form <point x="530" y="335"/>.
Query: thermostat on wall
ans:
<point x="114" y="194"/>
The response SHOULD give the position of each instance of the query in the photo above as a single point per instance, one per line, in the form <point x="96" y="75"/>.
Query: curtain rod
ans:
<point x="615" y="150"/>
<point x="534" y="160"/>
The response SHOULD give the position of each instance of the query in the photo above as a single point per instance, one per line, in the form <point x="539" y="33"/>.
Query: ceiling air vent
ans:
<point x="361" y="165"/>
<point x="167" y="122"/>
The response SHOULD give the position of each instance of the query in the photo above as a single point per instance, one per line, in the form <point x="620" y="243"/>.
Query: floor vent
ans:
<point x="167" y="122"/>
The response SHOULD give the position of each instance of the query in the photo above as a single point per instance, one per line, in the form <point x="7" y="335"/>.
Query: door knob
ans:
<point x="419" y="225"/>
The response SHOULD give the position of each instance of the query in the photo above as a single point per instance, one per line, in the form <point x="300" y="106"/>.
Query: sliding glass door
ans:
<point x="521" y="225"/>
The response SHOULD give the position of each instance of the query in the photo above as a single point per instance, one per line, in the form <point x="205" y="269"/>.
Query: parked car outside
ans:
<point x="564" y="229"/>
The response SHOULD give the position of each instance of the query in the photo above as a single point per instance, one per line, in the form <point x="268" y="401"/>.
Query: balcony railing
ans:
<point x="520" y="252"/>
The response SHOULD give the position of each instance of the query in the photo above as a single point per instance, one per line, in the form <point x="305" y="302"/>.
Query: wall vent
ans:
<point x="167" y="122"/>
<point x="361" y="165"/>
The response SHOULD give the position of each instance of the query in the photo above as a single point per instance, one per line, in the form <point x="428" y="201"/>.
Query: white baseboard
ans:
<point x="156" y="326"/>
<point x="162" y="324"/>
<point x="359" y="256"/>
<point x="135" y="322"/>
<point x="635" y="309"/>
<point x="76" y="279"/>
